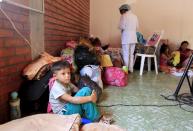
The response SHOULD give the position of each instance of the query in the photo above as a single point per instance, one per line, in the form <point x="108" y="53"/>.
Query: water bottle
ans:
<point x="14" y="103"/>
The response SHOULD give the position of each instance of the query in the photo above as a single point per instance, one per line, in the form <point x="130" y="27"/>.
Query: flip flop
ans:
<point x="106" y="119"/>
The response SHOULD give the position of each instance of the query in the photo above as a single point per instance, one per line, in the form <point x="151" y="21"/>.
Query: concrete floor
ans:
<point x="146" y="90"/>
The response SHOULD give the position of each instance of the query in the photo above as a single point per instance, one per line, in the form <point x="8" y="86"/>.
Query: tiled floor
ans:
<point x="146" y="90"/>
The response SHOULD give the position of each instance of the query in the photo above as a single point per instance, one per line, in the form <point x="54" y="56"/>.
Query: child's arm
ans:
<point x="80" y="100"/>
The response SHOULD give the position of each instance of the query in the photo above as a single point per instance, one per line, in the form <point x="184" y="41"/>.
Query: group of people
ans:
<point x="129" y="25"/>
<point x="167" y="58"/>
<point x="83" y="102"/>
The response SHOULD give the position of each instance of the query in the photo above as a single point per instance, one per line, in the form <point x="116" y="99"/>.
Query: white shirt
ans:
<point x="56" y="91"/>
<point x="128" y="26"/>
<point x="94" y="72"/>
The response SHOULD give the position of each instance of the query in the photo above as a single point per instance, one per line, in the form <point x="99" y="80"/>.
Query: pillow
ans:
<point x="101" y="127"/>
<point x="32" y="69"/>
<point x="44" y="122"/>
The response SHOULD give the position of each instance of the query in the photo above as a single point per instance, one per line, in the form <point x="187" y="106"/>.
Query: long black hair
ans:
<point x="163" y="48"/>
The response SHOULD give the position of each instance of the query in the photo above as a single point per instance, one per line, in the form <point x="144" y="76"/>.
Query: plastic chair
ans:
<point x="152" y="41"/>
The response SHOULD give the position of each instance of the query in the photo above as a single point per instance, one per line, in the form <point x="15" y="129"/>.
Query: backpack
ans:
<point x="34" y="95"/>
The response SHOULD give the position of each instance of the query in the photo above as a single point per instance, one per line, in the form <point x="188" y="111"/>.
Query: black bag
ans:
<point x="82" y="57"/>
<point x="34" y="95"/>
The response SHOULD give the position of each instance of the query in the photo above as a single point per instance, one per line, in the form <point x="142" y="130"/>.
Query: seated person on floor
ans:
<point x="102" y="52"/>
<point x="185" y="53"/>
<point x="100" y="49"/>
<point x="61" y="99"/>
<point x="167" y="59"/>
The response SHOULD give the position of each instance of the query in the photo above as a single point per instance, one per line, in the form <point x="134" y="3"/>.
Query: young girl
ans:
<point x="61" y="99"/>
<point x="165" y="59"/>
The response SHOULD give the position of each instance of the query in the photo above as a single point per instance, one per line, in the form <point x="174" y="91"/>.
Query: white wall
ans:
<point x="174" y="16"/>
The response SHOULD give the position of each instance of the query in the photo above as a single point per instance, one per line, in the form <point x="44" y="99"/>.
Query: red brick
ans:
<point x="12" y="70"/>
<point x="4" y="99"/>
<point x="14" y="54"/>
<point x="17" y="17"/>
<point x="26" y="26"/>
<point x="13" y="42"/>
<point x="1" y="21"/>
<point x="8" y="70"/>
<point x="20" y="67"/>
<point x="14" y="86"/>
<point x="16" y="60"/>
<point x="5" y="33"/>
<point x="28" y="58"/>
<point x="4" y="52"/>
<point x="9" y="79"/>
<point x="3" y="62"/>
<point x="1" y="43"/>
<point x="7" y="25"/>
<point x="23" y="50"/>
<point x="63" y="23"/>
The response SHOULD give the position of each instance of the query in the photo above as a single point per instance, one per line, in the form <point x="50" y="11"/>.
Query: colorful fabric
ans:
<point x="67" y="54"/>
<point x="176" y="58"/>
<point x="115" y="76"/>
<point x="140" y="38"/>
<point x="153" y="40"/>
<point x="50" y="84"/>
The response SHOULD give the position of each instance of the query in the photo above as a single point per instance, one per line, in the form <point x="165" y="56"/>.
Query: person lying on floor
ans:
<point x="61" y="99"/>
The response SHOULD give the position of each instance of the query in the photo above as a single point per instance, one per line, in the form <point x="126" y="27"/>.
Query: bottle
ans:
<point x="125" y="69"/>
<point x="14" y="103"/>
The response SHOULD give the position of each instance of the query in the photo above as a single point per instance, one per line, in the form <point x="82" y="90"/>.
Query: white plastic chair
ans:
<point x="149" y="56"/>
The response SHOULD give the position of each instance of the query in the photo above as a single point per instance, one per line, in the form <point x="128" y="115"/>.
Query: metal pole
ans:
<point x="183" y="77"/>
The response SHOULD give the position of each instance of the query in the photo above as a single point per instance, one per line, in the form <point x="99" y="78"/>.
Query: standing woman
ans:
<point x="128" y="26"/>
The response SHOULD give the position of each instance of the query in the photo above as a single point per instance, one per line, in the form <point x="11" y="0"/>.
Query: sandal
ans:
<point x="106" y="119"/>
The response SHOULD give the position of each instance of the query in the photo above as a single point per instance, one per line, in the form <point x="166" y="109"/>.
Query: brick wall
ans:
<point x="65" y="20"/>
<point x="14" y="54"/>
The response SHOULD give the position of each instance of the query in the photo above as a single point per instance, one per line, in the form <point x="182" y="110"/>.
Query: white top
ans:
<point x="94" y="72"/>
<point x="128" y="26"/>
<point x="56" y="91"/>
